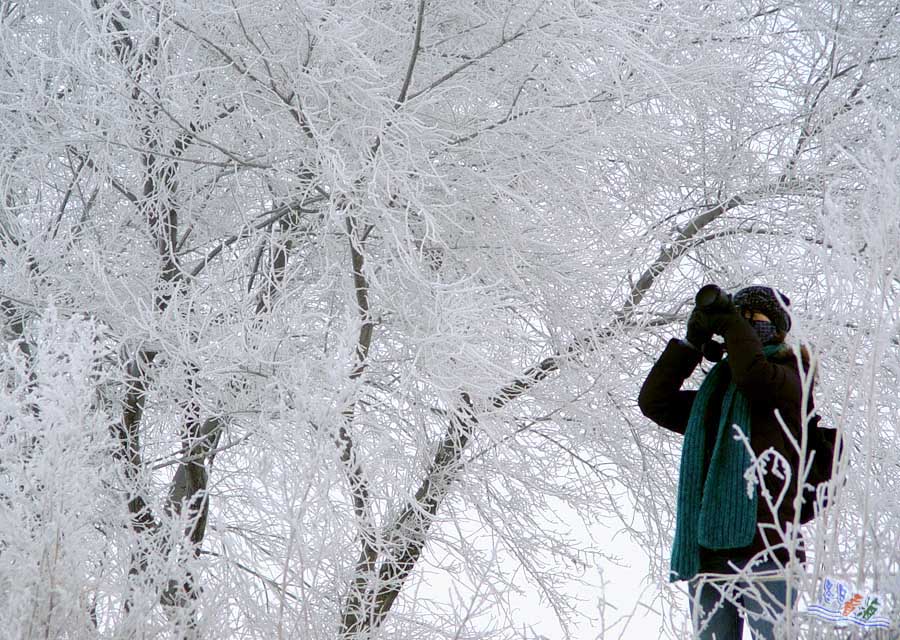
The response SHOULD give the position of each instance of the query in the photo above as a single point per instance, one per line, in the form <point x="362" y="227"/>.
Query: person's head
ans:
<point x="766" y="310"/>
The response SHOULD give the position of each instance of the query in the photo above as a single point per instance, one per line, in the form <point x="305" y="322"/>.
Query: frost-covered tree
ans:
<point x="346" y="295"/>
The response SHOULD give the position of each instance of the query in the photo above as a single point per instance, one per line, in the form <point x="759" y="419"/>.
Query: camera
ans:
<point x="711" y="299"/>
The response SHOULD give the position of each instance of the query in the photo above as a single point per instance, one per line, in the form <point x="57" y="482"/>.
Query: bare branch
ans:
<point x="417" y="41"/>
<point x="127" y="434"/>
<point x="468" y="63"/>
<point x="274" y="215"/>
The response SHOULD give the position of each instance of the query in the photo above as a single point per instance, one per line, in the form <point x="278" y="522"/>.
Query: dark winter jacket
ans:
<point x="768" y="385"/>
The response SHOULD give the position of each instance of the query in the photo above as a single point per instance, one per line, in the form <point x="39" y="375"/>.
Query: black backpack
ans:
<point x="821" y="443"/>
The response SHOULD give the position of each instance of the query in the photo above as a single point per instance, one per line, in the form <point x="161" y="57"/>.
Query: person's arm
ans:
<point x="661" y="398"/>
<point x="760" y="379"/>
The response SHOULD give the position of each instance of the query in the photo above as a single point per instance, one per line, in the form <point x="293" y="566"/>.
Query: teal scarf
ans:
<point x="713" y="507"/>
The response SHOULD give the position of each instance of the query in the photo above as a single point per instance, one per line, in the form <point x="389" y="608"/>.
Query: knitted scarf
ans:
<point x="713" y="507"/>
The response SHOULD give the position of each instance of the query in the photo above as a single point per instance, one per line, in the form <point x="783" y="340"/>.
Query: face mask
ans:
<point x="765" y="330"/>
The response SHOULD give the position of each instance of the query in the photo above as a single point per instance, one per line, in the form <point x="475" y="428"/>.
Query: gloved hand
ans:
<point x="713" y="351"/>
<point x="698" y="332"/>
<point x="717" y="321"/>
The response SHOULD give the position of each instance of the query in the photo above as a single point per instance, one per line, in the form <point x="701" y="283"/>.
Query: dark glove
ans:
<point x="701" y="327"/>
<point x="698" y="333"/>
<point x="718" y="321"/>
<point x="713" y="351"/>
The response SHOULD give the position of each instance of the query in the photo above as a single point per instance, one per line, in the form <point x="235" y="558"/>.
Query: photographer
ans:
<point x="719" y="528"/>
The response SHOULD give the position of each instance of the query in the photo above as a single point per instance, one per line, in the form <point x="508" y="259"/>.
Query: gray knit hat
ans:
<point x="766" y="300"/>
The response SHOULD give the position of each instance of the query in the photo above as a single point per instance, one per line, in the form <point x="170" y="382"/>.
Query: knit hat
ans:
<point x="766" y="300"/>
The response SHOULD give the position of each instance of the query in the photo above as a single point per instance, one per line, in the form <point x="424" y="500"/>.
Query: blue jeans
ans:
<point x="717" y="618"/>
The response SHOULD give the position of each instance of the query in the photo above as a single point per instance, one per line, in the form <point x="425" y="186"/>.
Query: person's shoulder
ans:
<point x="787" y="355"/>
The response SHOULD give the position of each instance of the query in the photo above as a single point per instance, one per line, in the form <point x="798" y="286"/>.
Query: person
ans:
<point x="721" y="528"/>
